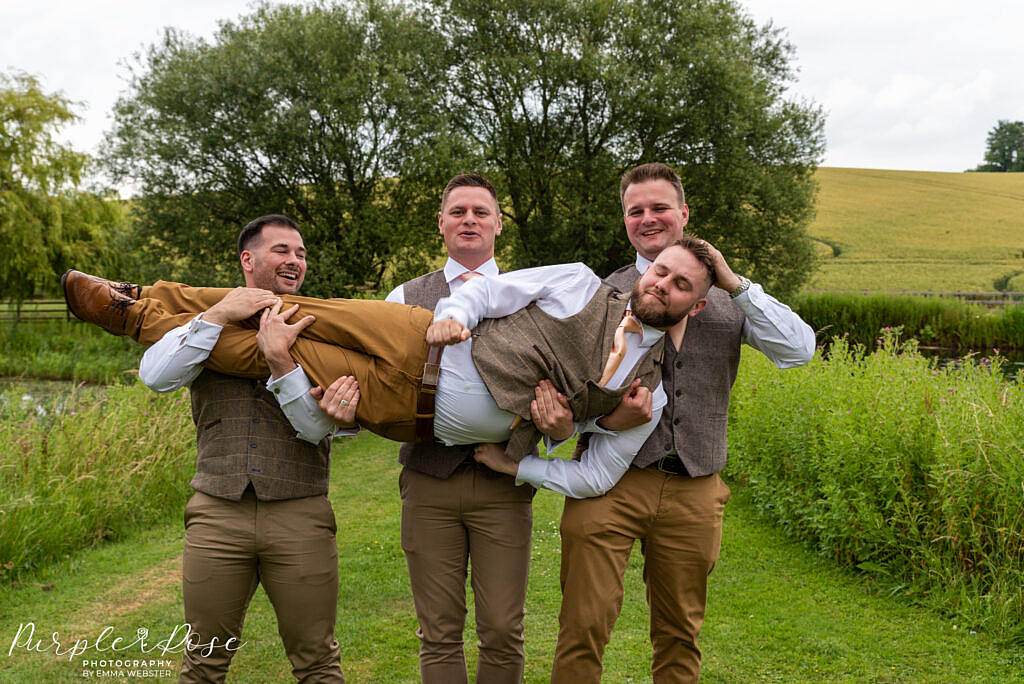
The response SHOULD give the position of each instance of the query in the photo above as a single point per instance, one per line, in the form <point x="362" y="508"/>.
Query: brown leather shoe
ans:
<point x="95" y="300"/>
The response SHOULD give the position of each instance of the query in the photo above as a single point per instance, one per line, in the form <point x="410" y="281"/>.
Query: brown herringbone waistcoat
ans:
<point x="242" y="436"/>
<point x="698" y="380"/>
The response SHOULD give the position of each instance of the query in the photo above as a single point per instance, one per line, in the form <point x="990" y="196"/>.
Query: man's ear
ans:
<point x="246" y="258"/>
<point x="701" y="303"/>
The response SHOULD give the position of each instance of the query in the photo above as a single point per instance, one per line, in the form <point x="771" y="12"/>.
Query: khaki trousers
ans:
<point x="480" y="517"/>
<point x="381" y="344"/>
<point x="678" y="521"/>
<point x="288" y="546"/>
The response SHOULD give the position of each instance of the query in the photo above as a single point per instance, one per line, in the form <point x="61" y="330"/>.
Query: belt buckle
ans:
<point x="661" y="464"/>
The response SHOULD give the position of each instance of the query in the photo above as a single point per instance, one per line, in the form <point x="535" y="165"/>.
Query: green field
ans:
<point x="899" y="231"/>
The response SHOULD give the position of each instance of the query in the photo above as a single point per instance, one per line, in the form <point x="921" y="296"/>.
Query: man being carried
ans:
<point x="556" y="323"/>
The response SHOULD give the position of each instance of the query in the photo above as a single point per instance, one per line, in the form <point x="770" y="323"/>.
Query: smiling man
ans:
<point x="259" y="514"/>
<point x="671" y="497"/>
<point x="457" y="514"/>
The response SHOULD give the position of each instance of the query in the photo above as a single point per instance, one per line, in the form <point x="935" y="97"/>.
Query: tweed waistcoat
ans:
<point x="514" y="353"/>
<point x="242" y="436"/>
<point x="430" y="458"/>
<point x="697" y="379"/>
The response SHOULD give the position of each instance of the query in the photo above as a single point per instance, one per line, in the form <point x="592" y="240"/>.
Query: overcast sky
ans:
<point x="906" y="84"/>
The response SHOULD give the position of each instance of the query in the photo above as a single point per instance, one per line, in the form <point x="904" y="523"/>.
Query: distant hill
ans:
<point x="888" y="231"/>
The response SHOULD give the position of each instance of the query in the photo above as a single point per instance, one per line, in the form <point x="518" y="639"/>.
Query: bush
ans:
<point x="935" y="321"/>
<point x="893" y="466"/>
<point x="87" y="466"/>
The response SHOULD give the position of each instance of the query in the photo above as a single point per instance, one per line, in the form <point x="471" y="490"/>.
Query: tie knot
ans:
<point x="468" y="275"/>
<point x="630" y="323"/>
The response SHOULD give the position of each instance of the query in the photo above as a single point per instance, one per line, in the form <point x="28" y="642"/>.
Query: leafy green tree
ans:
<point x="49" y="221"/>
<point x="323" y="113"/>
<point x="559" y="97"/>
<point x="1004" y="147"/>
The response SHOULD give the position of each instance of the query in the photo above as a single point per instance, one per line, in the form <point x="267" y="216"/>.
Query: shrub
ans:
<point x="87" y="466"/>
<point x="894" y="466"/>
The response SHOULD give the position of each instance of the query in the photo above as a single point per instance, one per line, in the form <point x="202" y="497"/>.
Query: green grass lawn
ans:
<point x="891" y="231"/>
<point x="777" y="613"/>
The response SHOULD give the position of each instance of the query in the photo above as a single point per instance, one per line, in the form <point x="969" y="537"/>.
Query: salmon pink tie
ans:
<point x="628" y="324"/>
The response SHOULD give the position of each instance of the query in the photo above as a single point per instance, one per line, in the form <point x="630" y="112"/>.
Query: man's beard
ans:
<point x="649" y="314"/>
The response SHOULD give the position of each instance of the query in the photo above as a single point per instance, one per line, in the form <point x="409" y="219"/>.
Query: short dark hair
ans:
<point x="650" y="172"/>
<point x="468" y="180"/>
<point x="254" y="228"/>
<point x="698" y="248"/>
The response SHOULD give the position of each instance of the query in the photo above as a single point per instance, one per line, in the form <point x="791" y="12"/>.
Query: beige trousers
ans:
<point x="678" y="521"/>
<point x="289" y="547"/>
<point x="475" y="517"/>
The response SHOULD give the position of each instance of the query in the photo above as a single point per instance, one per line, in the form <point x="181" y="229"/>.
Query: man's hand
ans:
<point x="448" y="331"/>
<point x="493" y="456"/>
<point x="276" y="337"/>
<point x="239" y="304"/>
<point x="339" y="401"/>
<point x="551" y="413"/>
<point x="724" y="277"/>
<point x="634" y="409"/>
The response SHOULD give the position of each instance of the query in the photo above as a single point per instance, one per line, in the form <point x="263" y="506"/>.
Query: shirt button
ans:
<point x="277" y="390"/>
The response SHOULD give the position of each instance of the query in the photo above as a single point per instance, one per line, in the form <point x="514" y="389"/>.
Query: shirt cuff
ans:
<point x="458" y="314"/>
<point x="532" y="470"/>
<point x="202" y="335"/>
<point x="591" y="426"/>
<point x="289" y="386"/>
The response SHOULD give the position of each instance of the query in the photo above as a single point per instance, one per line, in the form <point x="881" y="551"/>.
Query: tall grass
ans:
<point x="87" y="466"/>
<point x="70" y="350"/>
<point x="943" y="322"/>
<point x="891" y="465"/>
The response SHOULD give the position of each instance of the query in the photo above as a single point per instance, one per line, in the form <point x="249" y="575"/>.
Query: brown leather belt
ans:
<point x="428" y="389"/>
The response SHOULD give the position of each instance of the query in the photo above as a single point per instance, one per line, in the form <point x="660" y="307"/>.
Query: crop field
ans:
<point x="915" y="231"/>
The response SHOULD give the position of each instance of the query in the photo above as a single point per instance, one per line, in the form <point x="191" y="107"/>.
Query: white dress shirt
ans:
<point x="770" y="326"/>
<point x="560" y="291"/>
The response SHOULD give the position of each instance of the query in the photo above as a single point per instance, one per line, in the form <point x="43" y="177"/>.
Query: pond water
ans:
<point x="1013" y="359"/>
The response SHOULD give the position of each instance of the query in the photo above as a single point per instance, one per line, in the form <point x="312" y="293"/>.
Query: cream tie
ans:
<point x="628" y="324"/>
<point x="468" y="275"/>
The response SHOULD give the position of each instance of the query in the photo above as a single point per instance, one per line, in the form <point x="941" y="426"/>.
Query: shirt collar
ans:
<point x="642" y="263"/>
<point x="651" y="335"/>
<point x="453" y="269"/>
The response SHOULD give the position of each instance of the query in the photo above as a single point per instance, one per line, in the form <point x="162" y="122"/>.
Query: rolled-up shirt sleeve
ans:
<point x="774" y="329"/>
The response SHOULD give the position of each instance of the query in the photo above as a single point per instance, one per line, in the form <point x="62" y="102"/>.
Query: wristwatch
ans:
<point x="741" y="288"/>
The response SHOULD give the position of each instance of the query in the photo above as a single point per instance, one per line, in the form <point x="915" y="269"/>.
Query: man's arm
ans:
<point x="600" y="467"/>
<point x="771" y="327"/>
<point x="560" y="291"/>
<point x="291" y="386"/>
<point x="175" y="360"/>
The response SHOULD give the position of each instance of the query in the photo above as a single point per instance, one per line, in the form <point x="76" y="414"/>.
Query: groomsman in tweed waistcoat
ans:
<point x="259" y="514"/>
<point x="455" y="510"/>
<point x="671" y="498"/>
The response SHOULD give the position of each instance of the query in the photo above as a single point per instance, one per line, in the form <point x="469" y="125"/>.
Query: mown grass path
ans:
<point x="777" y="613"/>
